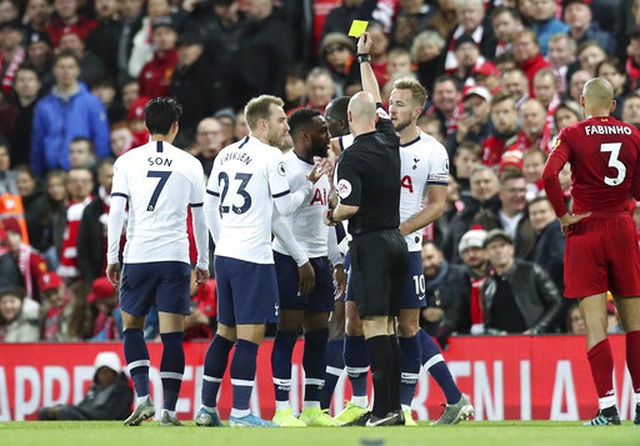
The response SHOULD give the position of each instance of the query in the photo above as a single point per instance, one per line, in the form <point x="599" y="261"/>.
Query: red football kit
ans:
<point x="601" y="251"/>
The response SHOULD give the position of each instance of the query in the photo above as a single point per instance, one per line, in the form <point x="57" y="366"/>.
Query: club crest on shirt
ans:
<point x="281" y="169"/>
<point x="344" y="188"/>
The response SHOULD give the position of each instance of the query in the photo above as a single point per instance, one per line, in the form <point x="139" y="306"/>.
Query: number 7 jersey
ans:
<point x="604" y="154"/>
<point x="246" y="178"/>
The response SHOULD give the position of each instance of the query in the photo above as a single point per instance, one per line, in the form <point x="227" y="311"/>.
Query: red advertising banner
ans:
<point x="507" y="378"/>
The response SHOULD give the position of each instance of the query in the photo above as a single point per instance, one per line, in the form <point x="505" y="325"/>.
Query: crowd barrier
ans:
<point x="507" y="378"/>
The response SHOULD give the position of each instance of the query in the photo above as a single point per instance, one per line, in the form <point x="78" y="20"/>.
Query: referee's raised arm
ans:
<point x="369" y="81"/>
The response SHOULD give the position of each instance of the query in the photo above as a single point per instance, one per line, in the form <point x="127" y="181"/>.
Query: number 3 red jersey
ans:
<point x="604" y="154"/>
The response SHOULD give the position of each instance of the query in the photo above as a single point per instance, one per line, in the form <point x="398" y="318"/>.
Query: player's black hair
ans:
<point x="338" y="109"/>
<point x="300" y="118"/>
<point x="160" y="114"/>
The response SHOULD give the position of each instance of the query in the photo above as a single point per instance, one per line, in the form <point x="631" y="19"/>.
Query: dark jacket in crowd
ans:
<point x="534" y="293"/>
<point x="91" y="241"/>
<point x="103" y="42"/>
<point x="450" y="290"/>
<point x="549" y="253"/>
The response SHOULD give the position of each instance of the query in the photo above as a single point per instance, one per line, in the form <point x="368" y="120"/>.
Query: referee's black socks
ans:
<point x="384" y="359"/>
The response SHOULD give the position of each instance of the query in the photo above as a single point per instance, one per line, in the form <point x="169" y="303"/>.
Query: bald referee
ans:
<point x="369" y="192"/>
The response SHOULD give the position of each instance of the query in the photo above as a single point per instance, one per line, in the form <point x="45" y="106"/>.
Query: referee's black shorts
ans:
<point x="379" y="263"/>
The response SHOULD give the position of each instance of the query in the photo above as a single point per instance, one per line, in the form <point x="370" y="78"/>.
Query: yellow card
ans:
<point x="358" y="27"/>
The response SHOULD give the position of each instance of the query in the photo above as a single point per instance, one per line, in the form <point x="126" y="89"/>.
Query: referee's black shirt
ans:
<point x="369" y="177"/>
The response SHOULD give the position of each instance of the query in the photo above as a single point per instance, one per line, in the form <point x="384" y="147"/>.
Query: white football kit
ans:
<point x="158" y="181"/>
<point x="247" y="179"/>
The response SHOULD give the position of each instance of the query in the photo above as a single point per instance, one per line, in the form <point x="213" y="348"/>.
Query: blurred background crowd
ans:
<point x="503" y="76"/>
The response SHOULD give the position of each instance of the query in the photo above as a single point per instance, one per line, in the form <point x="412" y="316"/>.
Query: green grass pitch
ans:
<point x="472" y="433"/>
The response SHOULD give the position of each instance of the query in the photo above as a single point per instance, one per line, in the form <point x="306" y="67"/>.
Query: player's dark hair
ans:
<point x="338" y="109"/>
<point x="160" y="114"/>
<point x="300" y="118"/>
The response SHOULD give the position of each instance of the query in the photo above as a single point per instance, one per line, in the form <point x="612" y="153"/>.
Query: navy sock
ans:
<point x="355" y="358"/>
<point x="433" y="362"/>
<point x="215" y="364"/>
<point x="281" y="363"/>
<point x="381" y="360"/>
<point x="243" y="373"/>
<point x="137" y="357"/>
<point x="172" y="367"/>
<point x="411" y="354"/>
<point x="335" y="367"/>
<point x="313" y="361"/>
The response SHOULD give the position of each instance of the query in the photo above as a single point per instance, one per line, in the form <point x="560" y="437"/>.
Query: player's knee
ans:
<point x="408" y="328"/>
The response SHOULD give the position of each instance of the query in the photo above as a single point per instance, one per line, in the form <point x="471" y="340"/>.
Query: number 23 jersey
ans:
<point x="247" y="177"/>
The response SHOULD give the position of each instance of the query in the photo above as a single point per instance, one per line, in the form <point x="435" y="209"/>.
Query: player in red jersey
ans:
<point x="602" y="251"/>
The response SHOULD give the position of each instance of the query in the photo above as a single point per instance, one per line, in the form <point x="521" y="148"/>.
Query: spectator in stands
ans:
<point x="36" y="16"/>
<point x="54" y="220"/>
<point x="201" y="323"/>
<point x="469" y="60"/>
<point x="590" y="54"/>
<point x="576" y="83"/>
<point x="468" y="317"/>
<point x="561" y="55"/>
<point x="131" y="12"/>
<point x="526" y="51"/>
<point x="105" y="89"/>
<point x="532" y="165"/>
<point x="337" y="53"/>
<point x="196" y="85"/>
<point x="28" y="260"/>
<point x="57" y="311"/>
<point x="613" y="70"/>
<point x="504" y="117"/>
<point x="294" y="87"/>
<point x="567" y="113"/>
<point x="9" y="272"/>
<point x="631" y="110"/>
<point x="467" y="156"/>
<point x="109" y="397"/>
<point x="398" y="64"/>
<point x="533" y="133"/>
<point x="516" y="84"/>
<point x="320" y="89"/>
<point x="518" y="297"/>
<point x="575" y="321"/>
<point x="413" y="17"/>
<point x="155" y="77"/>
<point x="577" y="14"/>
<point x="513" y="215"/>
<point x="79" y="186"/>
<point x="9" y="10"/>
<point x="340" y="17"/>
<point x="545" y="23"/>
<point x="143" y="41"/>
<point x="445" y="19"/>
<point x="8" y="177"/>
<point x="446" y="101"/>
<point x="428" y="53"/>
<point x="67" y="112"/>
<point x="92" y="232"/>
<point x="481" y="209"/>
<point x="135" y="118"/>
<point x="447" y="289"/>
<point x="82" y="153"/>
<point x="67" y="18"/>
<point x="33" y="202"/>
<point x="121" y="138"/>
<point x="474" y="123"/>
<point x="27" y="88"/>
<point x="104" y="299"/>
<point x="103" y="40"/>
<point x="19" y="316"/>
<point x="40" y="56"/>
<point x="228" y="119"/>
<point x="545" y="91"/>
<point x="549" y="250"/>
<point x="473" y="23"/>
<point x="208" y="143"/>
<point x="91" y="66"/>
<point x="506" y="23"/>
<point x="12" y="53"/>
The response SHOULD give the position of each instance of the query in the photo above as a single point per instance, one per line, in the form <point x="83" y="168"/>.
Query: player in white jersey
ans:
<point x="308" y="312"/>
<point x="158" y="182"/>
<point x="247" y="180"/>
<point x="424" y="173"/>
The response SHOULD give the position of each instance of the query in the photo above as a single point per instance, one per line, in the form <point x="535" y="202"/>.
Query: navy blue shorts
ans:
<point x="247" y="292"/>
<point x="320" y="300"/>
<point x="165" y="284"/>
<point x="414" y="288"/>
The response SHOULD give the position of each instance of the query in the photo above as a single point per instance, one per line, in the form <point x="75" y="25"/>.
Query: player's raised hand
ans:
<point x="113" y="273"/>
<point x="364" y="43"/>
<point x="307" y="278"/>
<point x="321" y="166"/>
<point x="568" y="219"/>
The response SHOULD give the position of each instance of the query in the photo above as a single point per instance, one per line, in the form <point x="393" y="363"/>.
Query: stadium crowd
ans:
<point x="503" y="79"/>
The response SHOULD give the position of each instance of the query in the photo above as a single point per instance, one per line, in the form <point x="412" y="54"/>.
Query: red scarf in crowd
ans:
<point x="10" y="73"/>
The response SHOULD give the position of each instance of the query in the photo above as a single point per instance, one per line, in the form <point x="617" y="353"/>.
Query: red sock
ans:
<point x="601" y="362"/>
<point x="633" y="358"/>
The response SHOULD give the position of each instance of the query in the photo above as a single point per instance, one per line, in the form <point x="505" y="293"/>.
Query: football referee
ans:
<point x="369" y="190"/>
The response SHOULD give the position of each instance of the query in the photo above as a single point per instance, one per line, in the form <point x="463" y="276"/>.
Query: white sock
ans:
<point x="141" y="399"/>
<point x="172" y="413"/>
<point x="282" y="405"/>
<point x="211" y="410"/>
<point x="237" y="413"/>
<point x="360" y="401"/>
<point x="311" y="405"/>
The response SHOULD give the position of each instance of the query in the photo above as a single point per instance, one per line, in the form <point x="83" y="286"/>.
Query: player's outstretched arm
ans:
<point x="369" y="81"/>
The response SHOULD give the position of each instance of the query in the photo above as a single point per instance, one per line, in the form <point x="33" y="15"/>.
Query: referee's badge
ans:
<point x="344" y="188"/>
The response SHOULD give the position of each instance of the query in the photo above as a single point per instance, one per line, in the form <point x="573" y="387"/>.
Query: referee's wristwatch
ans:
<point x="363" y="57"/>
